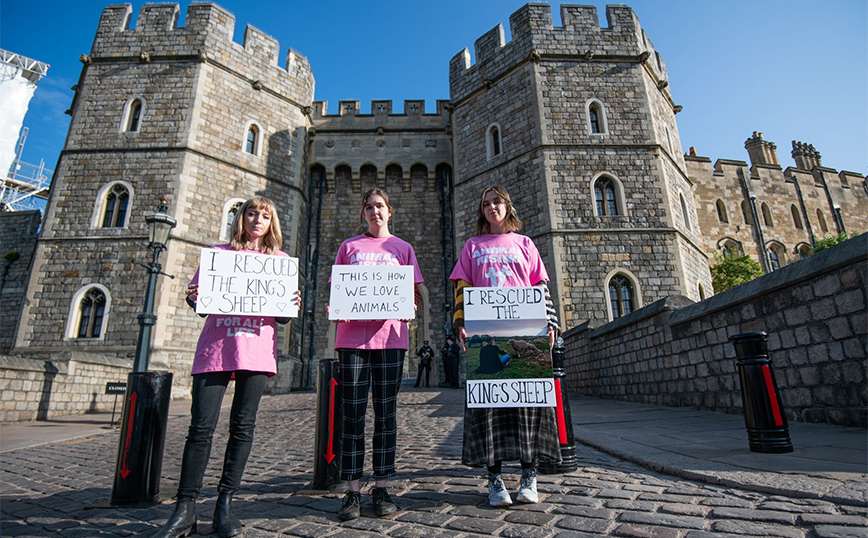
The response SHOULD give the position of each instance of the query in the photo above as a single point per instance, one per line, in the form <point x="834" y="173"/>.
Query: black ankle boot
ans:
<point x="225" y="523"/>
<point x="182" y="522"/>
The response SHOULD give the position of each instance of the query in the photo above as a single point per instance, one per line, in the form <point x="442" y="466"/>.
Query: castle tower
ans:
<point x="578" y="123"/>
<point x="163" y="111"/>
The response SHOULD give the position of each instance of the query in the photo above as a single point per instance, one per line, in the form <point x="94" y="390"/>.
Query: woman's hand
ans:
<point x="192" y="292"/>
<point x="462" y="336"/>
<point x="298" y="299"/>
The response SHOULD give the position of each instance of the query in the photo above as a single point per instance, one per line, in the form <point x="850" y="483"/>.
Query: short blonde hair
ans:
<point x="513" y="224"/>
<point x="273" y="239"/>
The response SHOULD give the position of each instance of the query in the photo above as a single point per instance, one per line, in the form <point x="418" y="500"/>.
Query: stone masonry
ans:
<point x="675" y="352"/>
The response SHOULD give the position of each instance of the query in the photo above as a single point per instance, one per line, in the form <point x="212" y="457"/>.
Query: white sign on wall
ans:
<point x="247" y="284"/>
<point x="369" y="292"/>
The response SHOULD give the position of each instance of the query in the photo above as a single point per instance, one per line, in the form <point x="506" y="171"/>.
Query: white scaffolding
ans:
<point x="24" y="185"/>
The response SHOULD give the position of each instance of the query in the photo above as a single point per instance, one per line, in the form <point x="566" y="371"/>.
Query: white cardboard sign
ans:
<point x="508" y="355"/>
<point x="370" y="292"/>
<point x="247" y="284"/>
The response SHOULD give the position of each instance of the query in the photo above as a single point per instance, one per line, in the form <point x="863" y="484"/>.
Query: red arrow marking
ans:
<point x="330" y="455"/>
<point x="124" y="471"/>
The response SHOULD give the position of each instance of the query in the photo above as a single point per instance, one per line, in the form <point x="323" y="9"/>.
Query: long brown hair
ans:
<point x="373" y="192"/>
<point x="273" y="238"/>
<point x="513" y="224"/>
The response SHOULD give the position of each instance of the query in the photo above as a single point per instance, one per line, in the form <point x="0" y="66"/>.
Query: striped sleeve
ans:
<point x="458" y="313"/>
<point x="551" y="313"/>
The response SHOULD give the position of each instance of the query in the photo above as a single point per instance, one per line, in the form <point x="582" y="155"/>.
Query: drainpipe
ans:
<point x="757" y="227"/>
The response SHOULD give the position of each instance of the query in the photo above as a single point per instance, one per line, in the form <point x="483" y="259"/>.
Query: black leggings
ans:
<point x="208" y="390"/>
<point x="496" y="468"/>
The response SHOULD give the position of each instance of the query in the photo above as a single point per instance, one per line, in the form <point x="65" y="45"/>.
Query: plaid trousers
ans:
<point x="382" y="369"/>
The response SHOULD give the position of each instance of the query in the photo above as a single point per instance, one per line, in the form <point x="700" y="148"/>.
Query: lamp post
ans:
<point x="159" y="226"/>
<point x="146" y="402"/>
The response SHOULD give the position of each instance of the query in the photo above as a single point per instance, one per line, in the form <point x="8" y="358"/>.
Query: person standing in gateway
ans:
<point x="371" y="354"/>
<point x="426" y="357"/>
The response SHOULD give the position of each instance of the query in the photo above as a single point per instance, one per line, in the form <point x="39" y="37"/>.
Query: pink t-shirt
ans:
<point x="500" y="260"/>
<point x="378" y="334"/>
<point x="229" y="343"/>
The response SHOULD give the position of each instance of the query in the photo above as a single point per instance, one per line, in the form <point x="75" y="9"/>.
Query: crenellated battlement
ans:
<point x="206" y="36"/>
<point x="379" y="108"/>
<point x="534" y="37"/>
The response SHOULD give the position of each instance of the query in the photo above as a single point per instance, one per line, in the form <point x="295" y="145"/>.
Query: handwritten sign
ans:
<point x="509" y="362"/>
<point x="247" y="284"/>
<point x="369" y="292"/>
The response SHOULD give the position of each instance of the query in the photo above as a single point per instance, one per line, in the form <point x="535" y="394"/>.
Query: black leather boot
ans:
<point x="225" y="523"/>
<point x="181" y="523"/>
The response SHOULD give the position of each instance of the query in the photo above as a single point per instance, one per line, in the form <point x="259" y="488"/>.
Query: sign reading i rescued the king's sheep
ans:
<point x="247" y="284"/>
<point x="509" y="360"/>
<point x="371" y="292"/>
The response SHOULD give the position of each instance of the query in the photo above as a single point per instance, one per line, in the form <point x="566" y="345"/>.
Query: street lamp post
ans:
<point x="159" y="226"/>
<point x="146" y="403"/>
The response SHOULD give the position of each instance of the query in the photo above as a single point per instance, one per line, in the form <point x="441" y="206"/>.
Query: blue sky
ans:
<point x="792" y="69"/>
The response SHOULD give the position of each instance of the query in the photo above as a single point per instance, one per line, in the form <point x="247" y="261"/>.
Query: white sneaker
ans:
<point x="497" y="494"/>
<point x="527" y="491"/>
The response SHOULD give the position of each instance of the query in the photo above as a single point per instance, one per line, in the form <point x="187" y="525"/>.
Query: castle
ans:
<point x="578" y="122"/>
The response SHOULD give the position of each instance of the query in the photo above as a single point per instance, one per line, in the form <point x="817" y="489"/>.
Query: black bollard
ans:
<point x="142" y="438"/>
<point x="569" y="461"/>
<point x="329" y="426"/>
<point x="764" y="417"/>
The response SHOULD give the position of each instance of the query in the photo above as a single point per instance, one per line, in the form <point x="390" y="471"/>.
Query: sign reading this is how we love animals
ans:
<point x="247" y="284"/>
<point x="371" y="292"/>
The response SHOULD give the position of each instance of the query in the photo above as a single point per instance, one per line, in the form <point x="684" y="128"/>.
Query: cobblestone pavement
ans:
<point x="62" y="489"/>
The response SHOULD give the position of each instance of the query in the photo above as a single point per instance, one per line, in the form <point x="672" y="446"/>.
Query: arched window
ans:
<point x="253" y="139"/>
<point x="419" y="176"/>
<point x="730" y="249"/>
<point x="684" y="213"/>
<point x="394" y="175"/>
<point x="821" y="220"/>
<point x="701" y="293"/>
<point x="368" y="174"/>
<point x="773" y="260"/>
<point x="746" y="213"/>
<point x="767" y="215"/>
<point x="721" y="212"/>
<point x="797" y="220"/>
<point x="116" y="205"/>
<point x="606" y="197"/>
<point x="133" y="115"/>
<point x="493" y="142"/>
<point x="668" y="140"/>
<point x="597" y="122"/>
<point x="804" y="251"/>
<point x="230" y="210"/>
<point x="91" y="314"/>
<point x="621" y="296"/>
<point x="88" y="312"/>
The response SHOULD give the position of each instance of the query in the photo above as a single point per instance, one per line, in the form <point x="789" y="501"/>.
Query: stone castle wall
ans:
<point x="675" y="352"/>
<point x="17" y="234"/>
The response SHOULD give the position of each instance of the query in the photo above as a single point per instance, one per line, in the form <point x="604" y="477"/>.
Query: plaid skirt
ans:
<point x="510" y="434"/>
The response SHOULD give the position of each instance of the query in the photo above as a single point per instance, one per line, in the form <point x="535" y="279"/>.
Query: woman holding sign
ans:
<point x="236" y="347"/>
<point x="372" y="353"/>
<point x="499" y="257"/>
